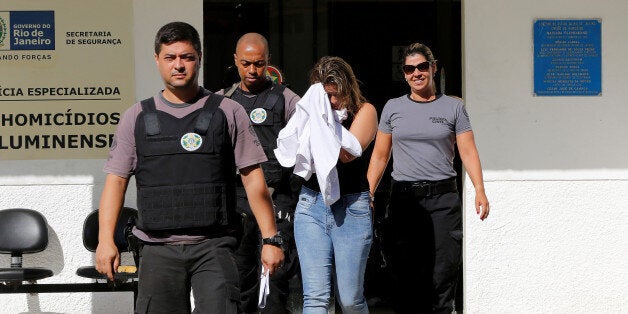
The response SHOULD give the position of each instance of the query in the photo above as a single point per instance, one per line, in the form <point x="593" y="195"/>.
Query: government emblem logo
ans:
<point x="3" y="31"/>
<point x="191" y="141"/>
<point x="258" y="115"/>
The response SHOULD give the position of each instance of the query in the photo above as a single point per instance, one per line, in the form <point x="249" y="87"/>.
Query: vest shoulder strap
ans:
<point x="211" y="105"/>
<point x="273" y="96"/>
<point x="228" y="93"/>
<point x="150" y="116"/>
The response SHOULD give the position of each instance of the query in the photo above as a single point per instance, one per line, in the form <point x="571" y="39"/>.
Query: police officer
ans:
<point x="269" y="106"/>
<point x="183" y="147"/>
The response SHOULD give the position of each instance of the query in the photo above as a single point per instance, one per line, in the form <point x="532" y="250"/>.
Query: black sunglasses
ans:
<point x="423" y="67"/>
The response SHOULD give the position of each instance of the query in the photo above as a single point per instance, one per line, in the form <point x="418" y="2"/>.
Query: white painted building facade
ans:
<point x="555" y="170"/>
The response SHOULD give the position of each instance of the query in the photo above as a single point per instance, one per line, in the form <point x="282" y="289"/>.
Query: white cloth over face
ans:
<point x="311" y="141"/>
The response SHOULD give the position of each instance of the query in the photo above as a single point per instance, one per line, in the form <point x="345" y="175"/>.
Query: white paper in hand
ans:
<point x="264" y="288"/>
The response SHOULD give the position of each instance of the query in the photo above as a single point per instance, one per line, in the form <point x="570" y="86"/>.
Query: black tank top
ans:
<point x="352" y="175"/>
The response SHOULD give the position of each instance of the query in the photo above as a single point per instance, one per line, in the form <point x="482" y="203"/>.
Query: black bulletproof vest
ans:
<point x="266" y="111"/>
<point x="185" y="168"/>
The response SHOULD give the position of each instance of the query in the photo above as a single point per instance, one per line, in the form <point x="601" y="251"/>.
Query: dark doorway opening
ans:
<point x="223" y="24"/>
<point x="368" y="34"/>
<point x="371" y="39"/>
<point x="371" y="36"/>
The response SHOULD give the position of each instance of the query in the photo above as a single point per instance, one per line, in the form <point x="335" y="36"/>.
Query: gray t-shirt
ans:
<point x="423" y="136"/>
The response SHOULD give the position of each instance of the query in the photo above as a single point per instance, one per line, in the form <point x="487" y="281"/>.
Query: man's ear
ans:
<point x="235" y="59"/>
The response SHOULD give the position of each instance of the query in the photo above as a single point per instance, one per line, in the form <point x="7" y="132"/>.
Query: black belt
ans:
<point x="425" y="188"/>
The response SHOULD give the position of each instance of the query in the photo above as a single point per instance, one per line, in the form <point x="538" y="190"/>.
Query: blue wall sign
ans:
<point x="27" y="30"/>
<point x="567" y="58"/>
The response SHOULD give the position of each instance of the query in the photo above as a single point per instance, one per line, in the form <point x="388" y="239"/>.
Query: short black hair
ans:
<point x="177" y="31"/>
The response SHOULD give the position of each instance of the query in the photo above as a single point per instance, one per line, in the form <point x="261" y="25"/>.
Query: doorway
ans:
<point x="223" y="24"/>
<point x="368" y="34"/>
<point x="371" y="39"/>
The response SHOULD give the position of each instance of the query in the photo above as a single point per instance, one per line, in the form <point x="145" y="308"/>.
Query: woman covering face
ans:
<point x="332" y="224"/>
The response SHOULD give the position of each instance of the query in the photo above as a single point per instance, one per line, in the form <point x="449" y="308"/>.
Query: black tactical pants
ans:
<point x="422" y="240"/>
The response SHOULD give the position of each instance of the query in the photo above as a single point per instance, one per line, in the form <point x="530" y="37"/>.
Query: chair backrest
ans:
<point x="126" y="221"/>
<point x="22" y="231"/>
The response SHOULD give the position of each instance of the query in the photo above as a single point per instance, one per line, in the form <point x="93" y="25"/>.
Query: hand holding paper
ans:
<point x="264" y="287"/>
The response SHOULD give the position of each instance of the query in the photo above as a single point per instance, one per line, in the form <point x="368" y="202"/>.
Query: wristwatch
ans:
<point x="275" y="240"/>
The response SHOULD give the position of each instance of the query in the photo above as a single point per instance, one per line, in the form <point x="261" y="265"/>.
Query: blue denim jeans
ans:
<point x="333" y="241"/>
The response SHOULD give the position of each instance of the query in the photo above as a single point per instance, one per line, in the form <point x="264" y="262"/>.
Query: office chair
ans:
<point x="22" y="231"/>
<point x="125" y="242"/>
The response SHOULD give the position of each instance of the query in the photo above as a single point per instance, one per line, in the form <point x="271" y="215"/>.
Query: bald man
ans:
<point x="269" y="106"/>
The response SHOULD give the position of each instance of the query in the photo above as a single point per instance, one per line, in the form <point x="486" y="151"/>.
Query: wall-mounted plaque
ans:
<point x="567" y="58"/>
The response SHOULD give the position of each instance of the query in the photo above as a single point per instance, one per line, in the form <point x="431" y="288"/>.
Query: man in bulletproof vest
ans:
<point x="269" y="106"/>
<point x="183" y="146"/>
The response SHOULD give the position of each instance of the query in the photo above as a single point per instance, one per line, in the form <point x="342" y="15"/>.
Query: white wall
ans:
<point x="149" y="16"/>
<point x="65" y="191"/>
<point x="555" y="168"/>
